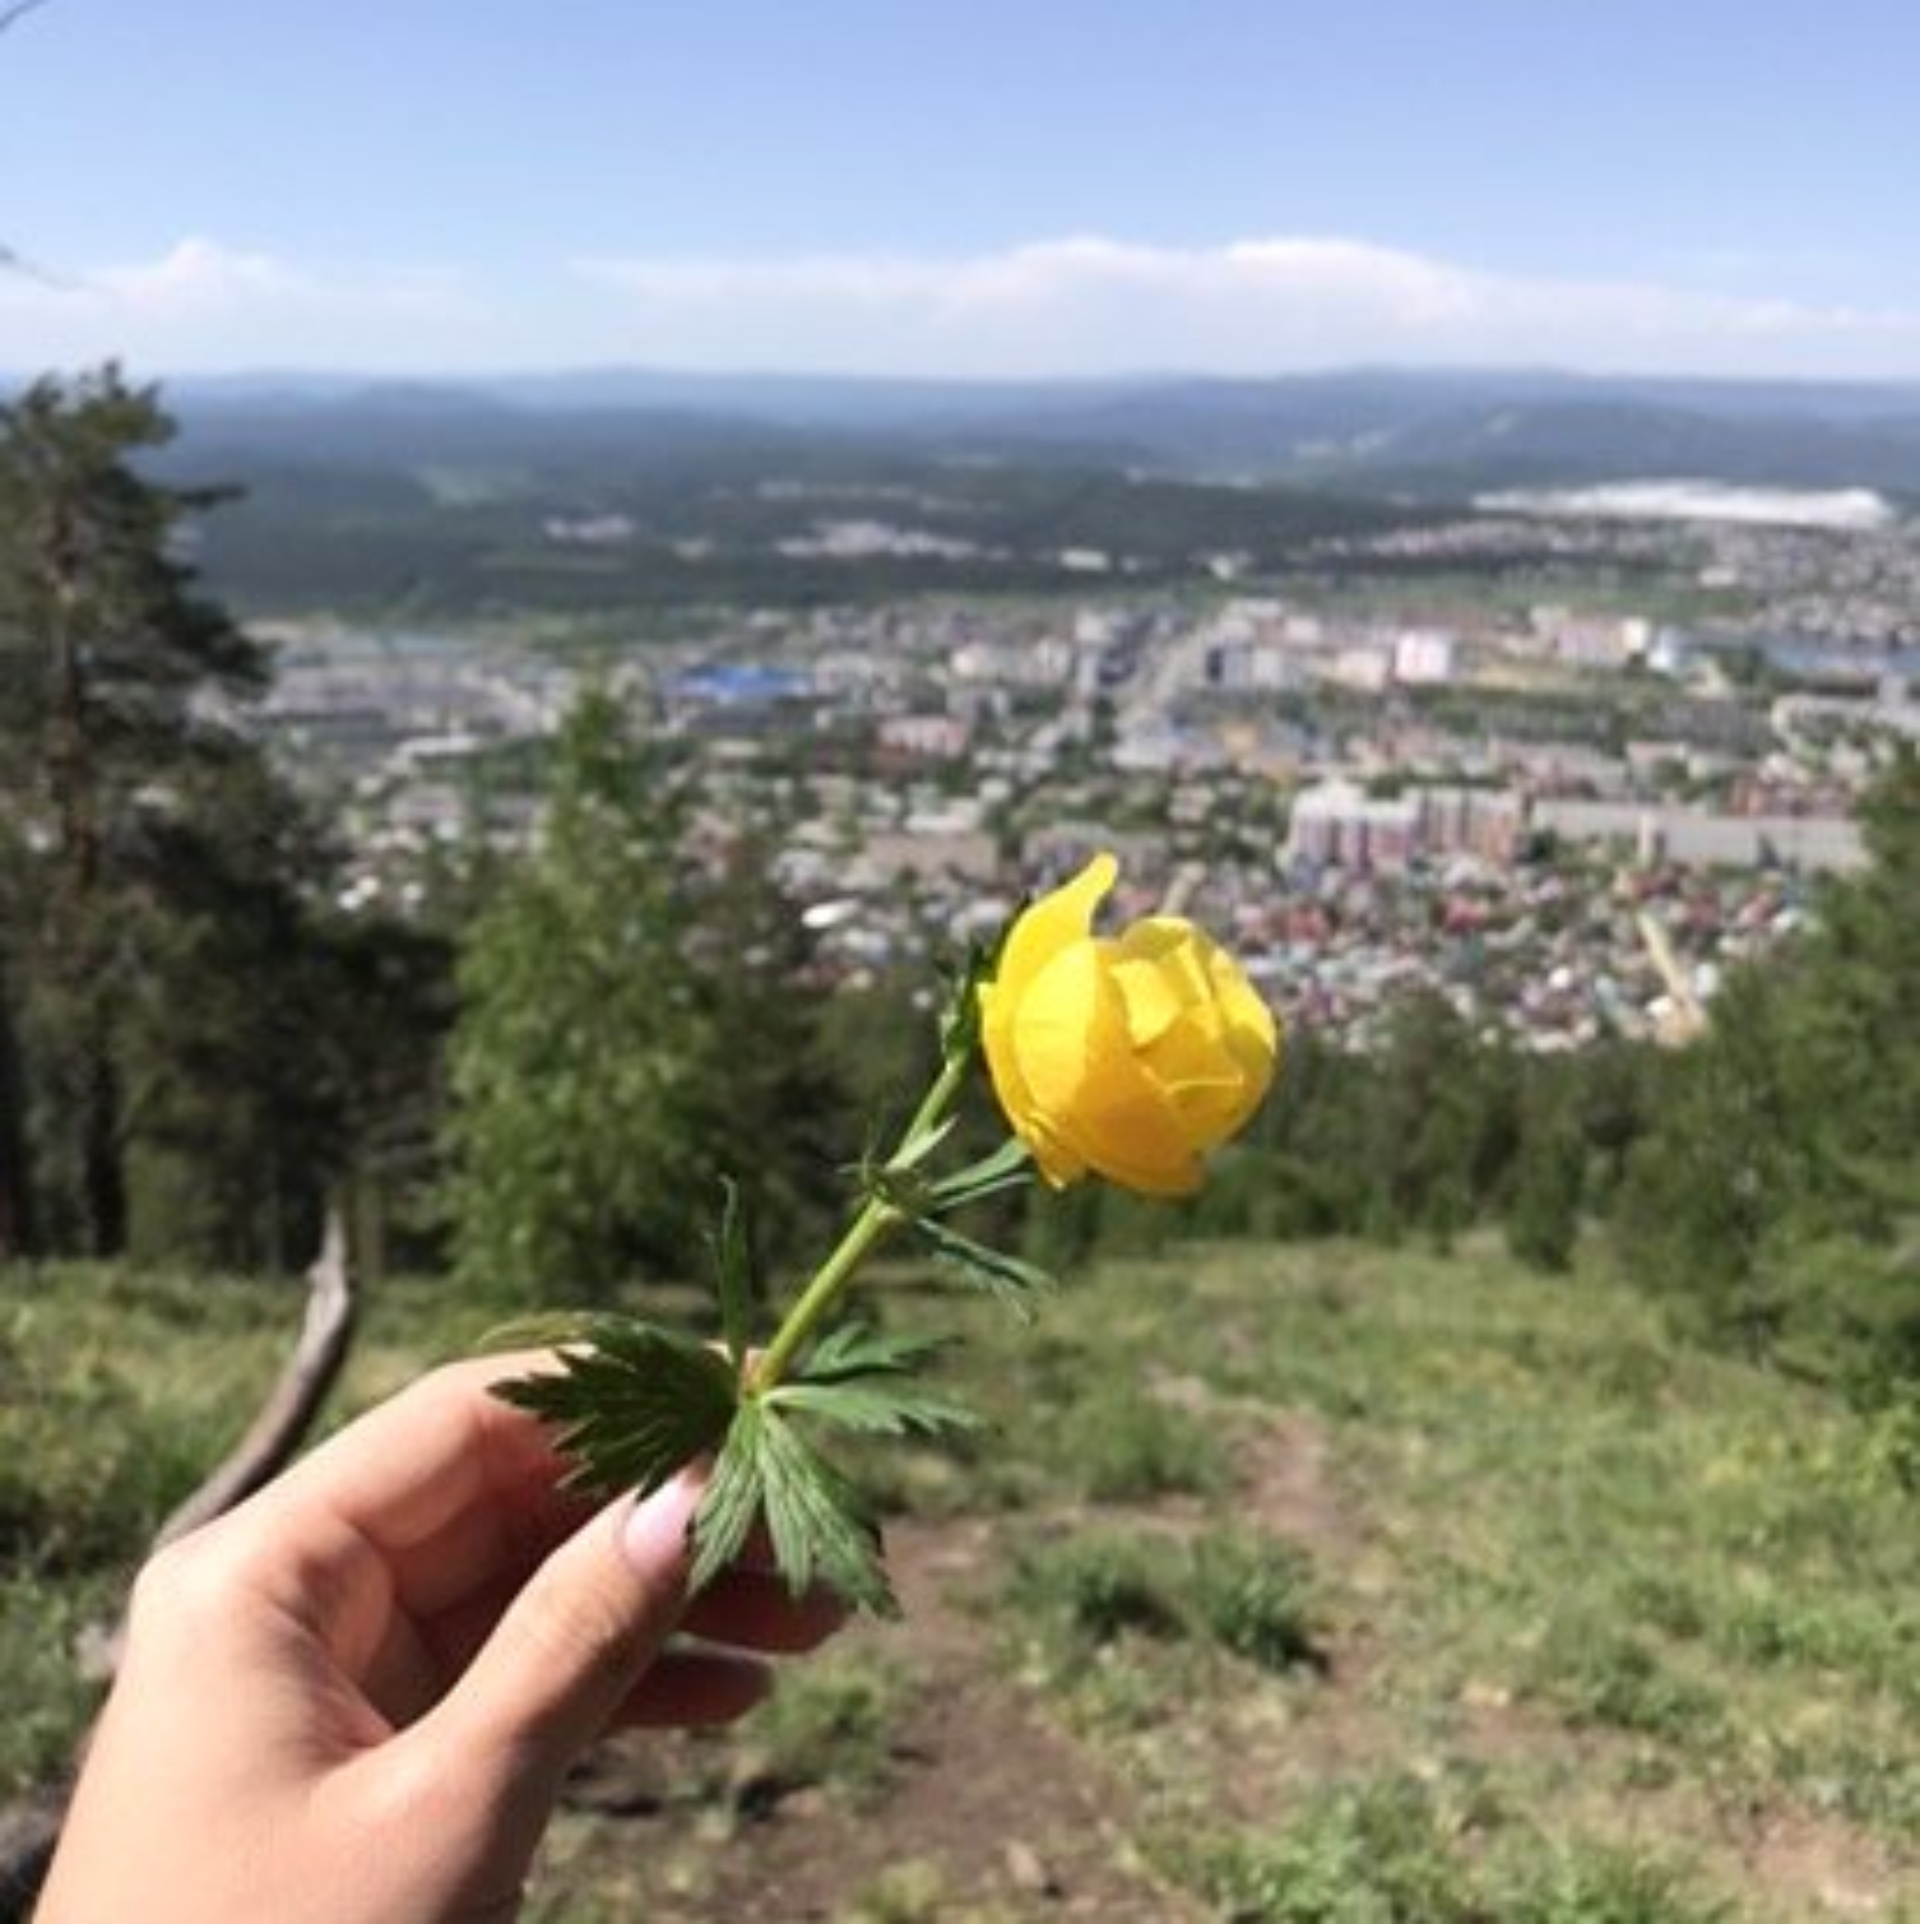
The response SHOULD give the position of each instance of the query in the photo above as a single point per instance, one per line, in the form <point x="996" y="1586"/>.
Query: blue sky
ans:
<point x="963" y="187"/>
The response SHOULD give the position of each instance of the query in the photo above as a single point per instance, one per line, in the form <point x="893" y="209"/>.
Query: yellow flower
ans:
<point x="1128" y="1057"/>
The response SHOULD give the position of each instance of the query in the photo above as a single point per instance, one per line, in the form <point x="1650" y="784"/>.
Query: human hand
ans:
<point x="355" y="1697"/>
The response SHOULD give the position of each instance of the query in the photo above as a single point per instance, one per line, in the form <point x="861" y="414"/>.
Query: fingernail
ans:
<point x="655" y="1534"/>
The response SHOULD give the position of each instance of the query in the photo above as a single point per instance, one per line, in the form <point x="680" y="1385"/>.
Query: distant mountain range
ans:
<point x="1409" y="434"/>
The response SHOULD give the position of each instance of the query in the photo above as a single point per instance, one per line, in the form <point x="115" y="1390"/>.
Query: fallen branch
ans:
<point x="30" y="1827"/>
<point x="277" y="1432"/>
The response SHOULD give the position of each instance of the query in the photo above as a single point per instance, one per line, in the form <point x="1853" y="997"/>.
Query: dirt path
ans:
<point x="990" y="1811"/>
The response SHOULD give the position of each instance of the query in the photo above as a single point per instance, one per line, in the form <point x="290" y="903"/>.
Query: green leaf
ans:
<point x="822" y="1529"/>
<point x="1014" y="1282"/>
<point x="856" y="1376"/>
<point x="733" y="1275"/>
<point x="636" y="1404"/>
<point x="879" y="1408"/>
<point x="858" y="1349"/>
<point x="731" y="1500"/>
<point x="1009" y="1167"/>
<point x="912" y="1153"/>
<point x="547" y="1329"/>
<point x="960" y="1018"/>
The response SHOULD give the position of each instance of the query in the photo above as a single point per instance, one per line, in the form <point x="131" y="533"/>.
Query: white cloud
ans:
<point x="195" y="276"/>
<point x="202" y="306"/>
<point x="1084" y="304"/>
<point x="1260" y="305"/>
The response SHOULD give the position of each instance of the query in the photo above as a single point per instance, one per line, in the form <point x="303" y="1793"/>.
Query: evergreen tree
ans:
<point x="579" y="1048"/>
<point x="1549" y="1169"/>
<point x="175" y="1043"/>
<point x="112" y="666"/>
<point x="1301" y="1167"/>
<point x="1441" y="1128"/>
<point x="233" y="1126"/>
<point x="770" y="1101"/>
<point x="1851" y="1044"/>
<point x="1784" y="1154"/>
<point x="634" y="1031"/>
<point x="389" y="986"/>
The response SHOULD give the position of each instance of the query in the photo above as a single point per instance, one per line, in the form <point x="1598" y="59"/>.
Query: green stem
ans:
<point x="877" y="1218"/>
<point x="939" y="1099"/>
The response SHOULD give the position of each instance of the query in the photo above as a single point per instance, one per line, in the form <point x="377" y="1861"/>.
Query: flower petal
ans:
<point x="1077" y="1061"/>
<point x="1045" y="927"/>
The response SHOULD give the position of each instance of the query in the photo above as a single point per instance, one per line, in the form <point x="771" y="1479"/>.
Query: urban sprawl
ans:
<point x="1564" y="815"/>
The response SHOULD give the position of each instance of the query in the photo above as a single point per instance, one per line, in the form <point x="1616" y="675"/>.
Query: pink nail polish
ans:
<point x="655" y="1535"/>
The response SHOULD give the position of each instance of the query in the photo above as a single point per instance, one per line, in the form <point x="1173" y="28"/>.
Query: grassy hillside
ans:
<point x="1320" y="1585"/>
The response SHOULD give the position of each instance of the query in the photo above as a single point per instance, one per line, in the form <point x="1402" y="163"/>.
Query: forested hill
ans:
<point x="1368" y="431"/>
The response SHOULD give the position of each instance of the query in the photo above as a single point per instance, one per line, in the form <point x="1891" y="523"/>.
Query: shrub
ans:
<point x="1604" y="1884"/>
<point x="1095" y="1587"/>
<point x="1125" y="1447"/>
<point x="1251" y="1593"/>
<point x="1368" y="1853"/>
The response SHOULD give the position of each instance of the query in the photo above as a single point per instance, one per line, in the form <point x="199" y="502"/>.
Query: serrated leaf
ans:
<point x="823" y="1529"/>
<point x="547" y="1329"/>
<point x="731" y="1500"/>
<point x="633" y="1406"/>
<point x="733" y="1275"/>
<point x="1014" y="1282"/>
<point x="858" y="1349"/>
<point x="878" y="1407"/>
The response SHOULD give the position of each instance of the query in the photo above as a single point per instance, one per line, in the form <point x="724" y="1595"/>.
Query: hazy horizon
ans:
<point x="1549" y="375"/>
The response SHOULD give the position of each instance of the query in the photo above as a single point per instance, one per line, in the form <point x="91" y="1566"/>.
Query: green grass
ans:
<point x="1238" y="1591"/>
<point x="118" y="1391"/>
<point x="1613" y="1581"/>
<point x="1392" y="1851"/>
<point x="830" y="1724"/>
<point x="1390" y="1585"/>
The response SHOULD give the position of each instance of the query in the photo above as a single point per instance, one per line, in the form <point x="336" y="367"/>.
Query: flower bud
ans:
<point x="1128" y="1057"/>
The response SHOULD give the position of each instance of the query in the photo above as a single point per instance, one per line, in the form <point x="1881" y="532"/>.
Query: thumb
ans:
<point x="576" y="1639"/>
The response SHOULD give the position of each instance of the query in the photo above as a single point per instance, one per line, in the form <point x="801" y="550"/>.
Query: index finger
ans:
<point x="444" y="1483"/>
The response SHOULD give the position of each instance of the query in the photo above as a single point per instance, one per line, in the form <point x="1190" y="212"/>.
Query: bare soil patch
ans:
<point x="991" y="1811"/>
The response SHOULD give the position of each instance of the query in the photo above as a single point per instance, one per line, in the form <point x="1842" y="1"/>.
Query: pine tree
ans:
<point x="579" y="1046"/>
<point x="635" y="1032"/>
<point x="1442" y="1123"/>
<point x="151" y="919"/>
<point x="1770" y="1192"/>
<point x="1548" y="1179"/>
<point x="1851" y="1049"/>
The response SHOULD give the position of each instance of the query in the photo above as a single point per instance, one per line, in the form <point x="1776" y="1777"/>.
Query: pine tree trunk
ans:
<point x="103" y="1175"/>
<point x="17" y="1232"/>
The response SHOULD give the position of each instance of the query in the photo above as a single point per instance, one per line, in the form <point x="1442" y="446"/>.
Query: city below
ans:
<point x="1558" y="762"/>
